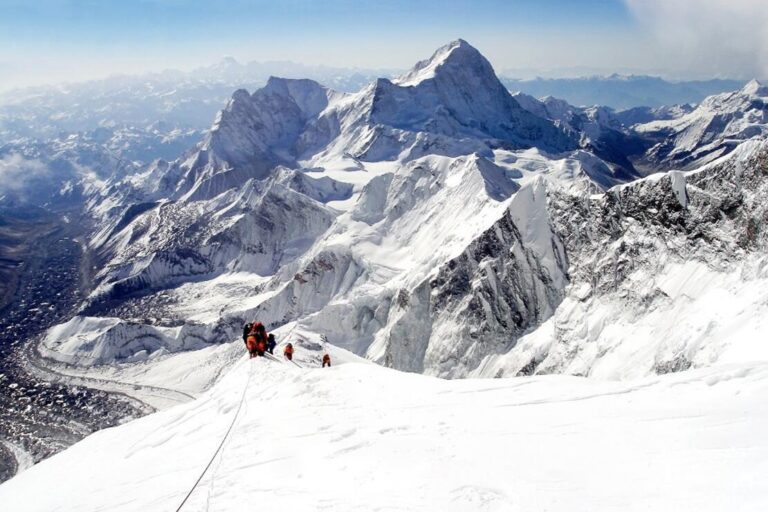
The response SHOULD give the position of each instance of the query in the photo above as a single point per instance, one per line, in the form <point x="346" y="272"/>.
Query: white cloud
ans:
<point x="17" y="172"/>
<point x="707" y="37"/>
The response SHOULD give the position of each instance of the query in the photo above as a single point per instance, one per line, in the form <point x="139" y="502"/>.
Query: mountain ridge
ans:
<point x="394" y="154"/>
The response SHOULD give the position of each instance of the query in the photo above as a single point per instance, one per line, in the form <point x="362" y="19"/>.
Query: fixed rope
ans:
<point x="274" y="358"/>
<point x="271" y="357"/>
<point x="223" y="440"/>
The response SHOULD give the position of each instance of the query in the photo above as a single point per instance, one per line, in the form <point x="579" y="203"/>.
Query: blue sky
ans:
<point x="162" y="20"/>
<point x="55" y="39"/>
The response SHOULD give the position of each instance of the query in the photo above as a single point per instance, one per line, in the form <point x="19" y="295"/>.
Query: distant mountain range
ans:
<point x="187" y="100"/>
<point x="622" y="92"/>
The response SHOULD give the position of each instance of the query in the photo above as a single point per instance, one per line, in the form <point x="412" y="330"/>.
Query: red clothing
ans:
<point x="257" y="340"/>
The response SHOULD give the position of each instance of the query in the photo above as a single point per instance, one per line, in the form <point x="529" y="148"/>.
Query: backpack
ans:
<point x="247" y="330"/>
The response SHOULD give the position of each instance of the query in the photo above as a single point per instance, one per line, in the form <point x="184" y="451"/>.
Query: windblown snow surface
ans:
<point x="362" y="437"/>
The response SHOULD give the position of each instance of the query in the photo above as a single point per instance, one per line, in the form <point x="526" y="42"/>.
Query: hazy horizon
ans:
<point x="53" y="41"/>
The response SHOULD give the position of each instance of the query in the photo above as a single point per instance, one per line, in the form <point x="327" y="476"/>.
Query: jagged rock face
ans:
<point x="713" y="215"/>
<point x="507" y="281"/>
<point x="252" y="135"/>
<point x="257" y="229"/>
<point x="633" y="254"/>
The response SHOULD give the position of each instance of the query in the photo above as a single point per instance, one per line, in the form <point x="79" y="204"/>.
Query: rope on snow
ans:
<point x="223" y="440"/>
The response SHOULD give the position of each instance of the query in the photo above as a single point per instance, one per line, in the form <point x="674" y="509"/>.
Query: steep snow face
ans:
<point x="403" y="226"/>
<point x="93" y="341"/>
<point x="713" y="129"/>
<point x="408" y="251"/>
<point x="345" y="437"/>
<point x="506" y="281"/>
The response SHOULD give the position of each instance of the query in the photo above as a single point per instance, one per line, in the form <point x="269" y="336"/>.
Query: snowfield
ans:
<point x="362" y="437"/>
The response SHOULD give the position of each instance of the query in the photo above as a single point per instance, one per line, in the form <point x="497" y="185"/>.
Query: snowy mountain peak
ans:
<point x="456" y="93"/>
<point x="277" y="83"/>
<point x="308" y="95"/>
<point x="755" y="88"/>
<point x="455" y="55"/>
<point x="226" y="63"/>
<point x="241" y="95"/>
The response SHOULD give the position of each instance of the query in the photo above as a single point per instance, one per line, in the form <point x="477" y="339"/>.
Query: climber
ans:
<point x="288" y="352"/>
<point x="326" y="361"/>
<point x="250" y="347"/>
<point x="246" y="331"/>
<point x="256" y="340"/>
<point x="271" y="343"/>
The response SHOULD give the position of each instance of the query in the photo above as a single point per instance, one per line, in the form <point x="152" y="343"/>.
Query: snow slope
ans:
<point x="362" y="437"/>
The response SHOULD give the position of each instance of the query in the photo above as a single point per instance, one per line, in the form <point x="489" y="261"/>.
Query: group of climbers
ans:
<point x="258" y="342"/>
